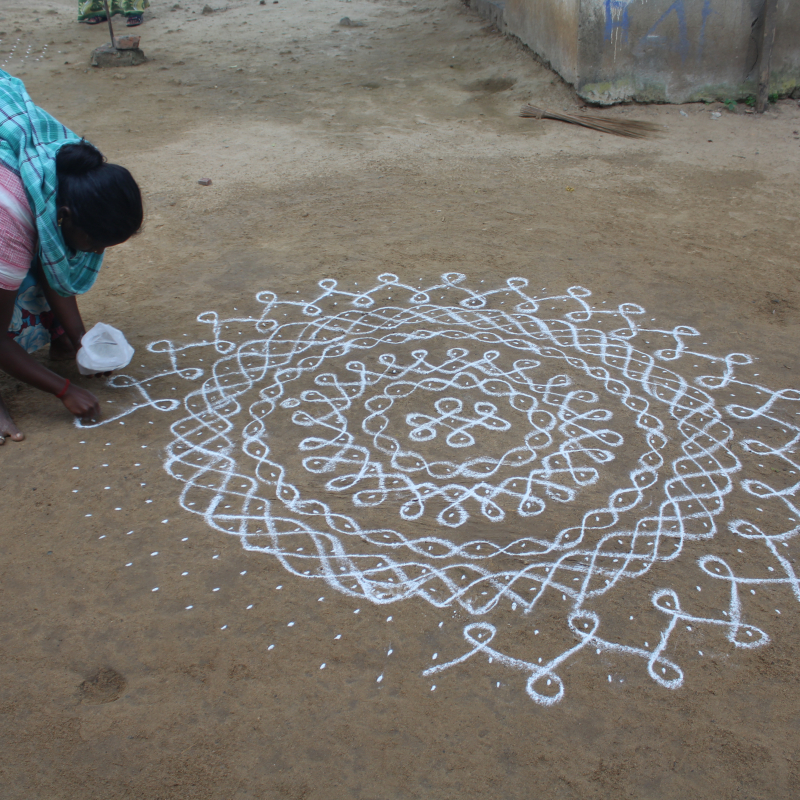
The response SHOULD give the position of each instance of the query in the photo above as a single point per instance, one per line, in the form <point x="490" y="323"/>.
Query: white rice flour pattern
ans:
<point x="506" y="454"/>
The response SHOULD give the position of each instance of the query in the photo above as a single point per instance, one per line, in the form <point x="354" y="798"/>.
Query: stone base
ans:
<point x="108" y="56"/>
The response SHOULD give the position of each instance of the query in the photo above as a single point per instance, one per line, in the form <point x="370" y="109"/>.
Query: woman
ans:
<point x="61" y="206"/>
<point x="93" y="12"/>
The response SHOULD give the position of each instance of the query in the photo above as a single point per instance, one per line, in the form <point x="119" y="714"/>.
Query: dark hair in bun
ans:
<point x="103" y="198"/>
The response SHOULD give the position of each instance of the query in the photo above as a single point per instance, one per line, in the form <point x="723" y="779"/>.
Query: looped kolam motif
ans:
<point x="337" y="434"/>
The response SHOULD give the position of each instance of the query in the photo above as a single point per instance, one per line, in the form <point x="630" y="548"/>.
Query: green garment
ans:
<point x="29" y="141"/>
<point x="95" y="8"/>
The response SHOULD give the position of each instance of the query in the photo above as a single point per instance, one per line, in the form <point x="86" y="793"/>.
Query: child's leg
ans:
<point x="91" y="10"/>
<point x="133" y="10"/>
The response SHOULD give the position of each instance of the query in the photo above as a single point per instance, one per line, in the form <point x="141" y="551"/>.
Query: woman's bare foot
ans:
<point x="61" y="349"/>
<point x="8" y="430"/>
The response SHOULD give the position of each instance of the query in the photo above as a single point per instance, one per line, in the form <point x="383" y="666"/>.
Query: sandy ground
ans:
<point x="343" y="153"/>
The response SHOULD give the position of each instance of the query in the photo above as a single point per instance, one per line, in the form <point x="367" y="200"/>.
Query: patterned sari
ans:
<point x="33" y="324"/>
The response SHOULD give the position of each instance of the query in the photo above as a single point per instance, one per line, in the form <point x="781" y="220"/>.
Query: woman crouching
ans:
<point x="61" y="206"/>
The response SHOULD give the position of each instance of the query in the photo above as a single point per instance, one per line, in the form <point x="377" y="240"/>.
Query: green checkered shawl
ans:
<point x="29" y="141"/>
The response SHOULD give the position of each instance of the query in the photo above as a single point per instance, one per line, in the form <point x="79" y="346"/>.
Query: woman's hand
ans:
<point x="81" y="403"/>
<point x="21" y="365"/>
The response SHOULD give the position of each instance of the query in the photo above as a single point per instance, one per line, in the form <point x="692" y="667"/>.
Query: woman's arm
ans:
<point x="19" y="364"/>
<point x="68" y="314"/>
<point x="65" y="309"/>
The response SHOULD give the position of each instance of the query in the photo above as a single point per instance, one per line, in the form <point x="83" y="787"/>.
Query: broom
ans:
<point x="634" y="128"/>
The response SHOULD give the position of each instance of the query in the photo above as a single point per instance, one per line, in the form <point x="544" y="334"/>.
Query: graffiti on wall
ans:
<point x="677" y="29"/>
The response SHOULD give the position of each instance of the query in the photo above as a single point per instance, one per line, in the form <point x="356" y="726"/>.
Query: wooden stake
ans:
<point x="110" y="29"/>
<point x="765" y="54"/>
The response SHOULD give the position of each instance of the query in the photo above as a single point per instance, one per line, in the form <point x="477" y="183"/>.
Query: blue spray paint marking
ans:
<point x="683" y="37"/>
<point x="612" y="24"/>
<point x="701" y="39"/>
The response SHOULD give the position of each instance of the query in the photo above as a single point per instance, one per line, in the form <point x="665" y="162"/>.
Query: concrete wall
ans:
<point x="548" y="26"/>
<point x="655" y="50"/>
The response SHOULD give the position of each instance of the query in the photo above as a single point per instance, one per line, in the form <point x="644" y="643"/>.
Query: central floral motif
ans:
<point x="450" y="418"/>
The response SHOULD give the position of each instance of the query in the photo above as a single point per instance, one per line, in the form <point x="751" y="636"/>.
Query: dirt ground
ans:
<point x="344" y="152"/>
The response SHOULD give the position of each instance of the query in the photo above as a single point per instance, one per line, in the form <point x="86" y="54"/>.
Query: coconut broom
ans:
<point x="633" y="128"/>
